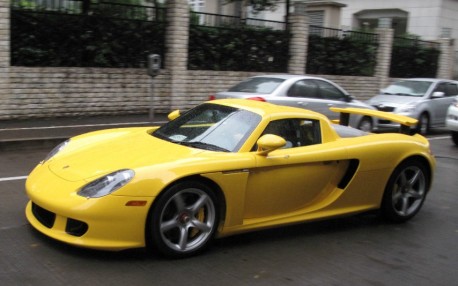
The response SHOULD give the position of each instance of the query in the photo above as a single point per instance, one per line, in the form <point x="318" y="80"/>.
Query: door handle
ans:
<point x="301" y="103"/>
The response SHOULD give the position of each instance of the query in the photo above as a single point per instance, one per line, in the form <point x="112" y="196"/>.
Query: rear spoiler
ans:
<point x="405" y="121"/>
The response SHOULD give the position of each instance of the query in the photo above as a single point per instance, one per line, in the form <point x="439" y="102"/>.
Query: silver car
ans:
<point x="314" y="93"/>
<point x="425" y="99"/>
<point x="451" y="121"/>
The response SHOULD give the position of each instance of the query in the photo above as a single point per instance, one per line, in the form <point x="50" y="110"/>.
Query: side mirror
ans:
<point x="438" y="94"/>
<point x="268" y="143"/>
<point x="173" y="115"/>
<point x="348" y="98"/>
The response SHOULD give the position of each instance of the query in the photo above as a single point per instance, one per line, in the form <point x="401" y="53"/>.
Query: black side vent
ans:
<point x="351" y="170"/>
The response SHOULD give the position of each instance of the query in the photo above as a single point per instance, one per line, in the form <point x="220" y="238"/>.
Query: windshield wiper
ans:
<point x="404" y="94"/>
<point x="202" y="145"/>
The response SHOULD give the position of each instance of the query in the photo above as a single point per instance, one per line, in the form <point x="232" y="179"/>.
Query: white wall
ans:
<point x="426" y="17"/>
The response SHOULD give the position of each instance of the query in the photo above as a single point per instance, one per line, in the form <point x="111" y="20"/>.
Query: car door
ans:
<point x="303" y="93"/>
<point x="299" y="178"/>
<point x="331" y="96"/>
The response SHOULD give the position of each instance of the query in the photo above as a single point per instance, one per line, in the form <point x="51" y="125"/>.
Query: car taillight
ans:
<point x="211" y="97"/>
<point x="257" y="98"/>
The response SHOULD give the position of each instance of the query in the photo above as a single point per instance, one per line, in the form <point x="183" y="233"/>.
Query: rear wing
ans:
<point x="405" y="121"/>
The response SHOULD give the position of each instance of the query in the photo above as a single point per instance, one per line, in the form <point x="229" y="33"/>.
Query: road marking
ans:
<point x="13" y="178"/>
<point x="439" y="138"/>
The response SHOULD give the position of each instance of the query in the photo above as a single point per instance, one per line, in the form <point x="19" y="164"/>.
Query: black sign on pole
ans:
<point x="154" y="67"/>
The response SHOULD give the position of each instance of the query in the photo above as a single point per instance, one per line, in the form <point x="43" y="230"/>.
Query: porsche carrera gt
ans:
<point x="222" y="168"/>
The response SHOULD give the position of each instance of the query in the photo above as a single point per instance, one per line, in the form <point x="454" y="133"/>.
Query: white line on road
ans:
<point x="439" y="138"/>
<point x="13" y="178"/>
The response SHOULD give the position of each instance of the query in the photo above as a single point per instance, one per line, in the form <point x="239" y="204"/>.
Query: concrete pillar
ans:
<point x="299" y="29"/>
<point x="4" y="55"/>
<point x="446" y="59"/>
<point x="385" y="46"/>
<point x="176" y="58"/>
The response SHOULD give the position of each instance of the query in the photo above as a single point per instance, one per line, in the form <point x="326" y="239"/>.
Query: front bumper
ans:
<point x="107" y="223"/>
<point x="452" y="119"/>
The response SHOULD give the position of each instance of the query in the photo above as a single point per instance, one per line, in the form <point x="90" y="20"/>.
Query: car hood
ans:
<point x="237" y="94"/>
<point x="360" y="104"/>
<point x="99" y="153"/>
<point x="392" y="100"/>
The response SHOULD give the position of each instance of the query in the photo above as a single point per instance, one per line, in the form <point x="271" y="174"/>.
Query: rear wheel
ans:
<point x="366" y="124"/>
<point x="184" y="219"/>
<point x="406" y="191"/>
<point x="455" y="137"/>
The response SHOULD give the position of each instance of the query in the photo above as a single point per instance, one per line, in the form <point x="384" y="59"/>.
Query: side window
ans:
<point x="441" y="87"/>
<point x="451" y="90"/>
<point x="329" y="91"/>
<point x="296" y="132"/>
<point x="304" y="88"/>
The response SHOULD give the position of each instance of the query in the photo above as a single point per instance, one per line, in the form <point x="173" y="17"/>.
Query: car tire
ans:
<point x="183" y="220"/>
<point x="455" y="137"/>
<point x="423" y="124"/>
<point x="366" y="124"/>
<point x="405" y="191"/>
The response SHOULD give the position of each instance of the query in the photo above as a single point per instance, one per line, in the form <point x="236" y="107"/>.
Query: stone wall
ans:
<point x="27" y="92"/>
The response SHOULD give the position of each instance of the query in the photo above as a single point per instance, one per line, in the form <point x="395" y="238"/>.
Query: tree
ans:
<point x="261" y="5"/>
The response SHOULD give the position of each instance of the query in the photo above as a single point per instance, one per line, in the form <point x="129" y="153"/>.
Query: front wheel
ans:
<point x="366" y="124"/>
<point x="423" y="124"/>
<point x="184" y="219"/>
<point x="406" y="191"/>
<point x="455" y="137"/>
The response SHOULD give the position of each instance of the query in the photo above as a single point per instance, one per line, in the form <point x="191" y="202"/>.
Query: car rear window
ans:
<point x="264" y="85"/>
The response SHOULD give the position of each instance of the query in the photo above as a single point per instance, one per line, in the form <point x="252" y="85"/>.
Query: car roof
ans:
<point x="426" y="79"/>
<point x="287" y="76"/>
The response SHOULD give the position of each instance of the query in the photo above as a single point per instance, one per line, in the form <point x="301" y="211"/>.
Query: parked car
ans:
<point x="452" y="120"/>
<point x="313" y="93"/>
<point x="222" y="168"/>
<point x="425" y="99"/>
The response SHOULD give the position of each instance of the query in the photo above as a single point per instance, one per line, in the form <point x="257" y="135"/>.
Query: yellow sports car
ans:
<point x="224" y="167"/>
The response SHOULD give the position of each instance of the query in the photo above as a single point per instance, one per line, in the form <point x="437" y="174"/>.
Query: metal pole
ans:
<point x="151" y="103"/>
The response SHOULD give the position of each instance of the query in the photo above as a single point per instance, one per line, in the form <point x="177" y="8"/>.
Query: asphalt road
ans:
<point x="362" y="250"/>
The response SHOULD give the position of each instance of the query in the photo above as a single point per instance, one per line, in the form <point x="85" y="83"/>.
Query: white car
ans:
<point x="452" y="120"/>
<point x="425" y="99"/>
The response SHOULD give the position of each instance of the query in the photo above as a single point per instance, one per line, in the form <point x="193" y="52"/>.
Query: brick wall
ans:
<point x="55" y="92"/>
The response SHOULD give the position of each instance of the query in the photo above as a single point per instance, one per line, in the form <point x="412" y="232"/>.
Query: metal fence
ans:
<point x="79" y="7"/>
<point x="54" y="33"/>
<point x="339" y="33"/>
<point x="217" y="20"/>
<point x="409" y="42"/>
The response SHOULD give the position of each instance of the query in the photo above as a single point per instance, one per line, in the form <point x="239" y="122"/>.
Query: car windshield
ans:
<point x="408" y="88"/>
<point x="264" y="85"/>
<point x="211" y="127"/>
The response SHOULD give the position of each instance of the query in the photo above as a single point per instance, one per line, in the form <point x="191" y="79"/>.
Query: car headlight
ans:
<point x="455" y="103"/>
<point x="107" y="184"/>
<point x="56" y="150"/>
<point x="406" y="109"/>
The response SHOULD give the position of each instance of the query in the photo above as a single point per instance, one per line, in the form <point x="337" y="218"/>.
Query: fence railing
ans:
<point x="415" y="42"/>
<point x="339" y="33"/>
<point x="79" y="7"/>
<point x="217" y="20"/>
